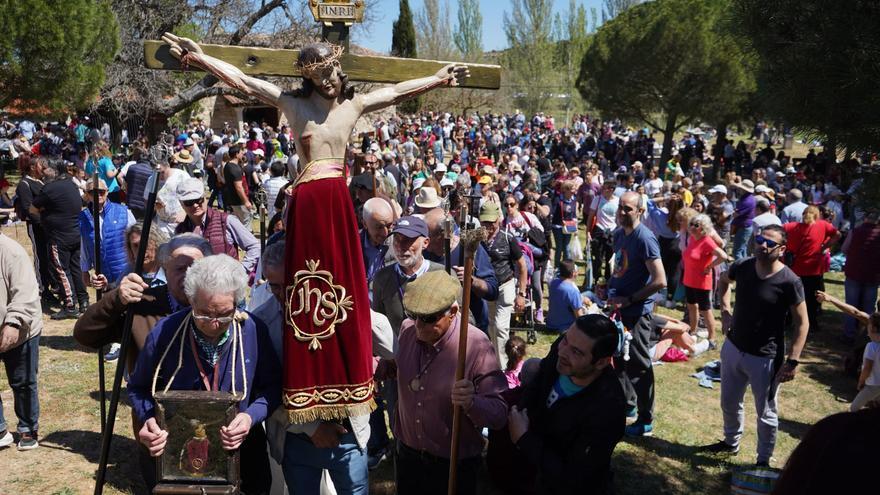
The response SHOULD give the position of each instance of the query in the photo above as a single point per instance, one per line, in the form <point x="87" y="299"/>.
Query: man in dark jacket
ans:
<point x="136" y="177"/>
<point x="573" y="414"/>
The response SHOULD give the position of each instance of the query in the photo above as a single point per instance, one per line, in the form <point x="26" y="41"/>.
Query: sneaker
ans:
<point x="373" y="460"/>
<point x="28" y="441"/>
<point x="631" y="416"/>
<point x="702" y="333"/>
<point x="669" y="304"/>
<point x="7" y="439"/>
<point x="720" y="447"/>
<point x="113" y="355"/>
<point x="701" y="347"/>
<point x="66" y="314"/>
<point x="640" y="430"/>
<point x="712" y="345"/>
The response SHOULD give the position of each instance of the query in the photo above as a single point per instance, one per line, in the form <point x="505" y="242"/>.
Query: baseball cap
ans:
<point x="489" y="212"/>
<point x="719" y="188"/>
<point x="440" y="167"/>
<point x="411" y="227"/>
<point x="191" y="188"/>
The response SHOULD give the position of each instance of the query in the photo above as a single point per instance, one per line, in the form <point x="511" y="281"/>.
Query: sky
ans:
<point x="379" y="39"/>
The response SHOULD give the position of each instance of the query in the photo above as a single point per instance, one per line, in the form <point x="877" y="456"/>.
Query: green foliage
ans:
<point x="667" y="64"/>
<point x="53" y="52"/>
<point x="434" y="31"/>
<point x="529" y="60"/>
<point x="403" y="44"/>
<point x="469" y="31"/>
<point x="819" y="66"/>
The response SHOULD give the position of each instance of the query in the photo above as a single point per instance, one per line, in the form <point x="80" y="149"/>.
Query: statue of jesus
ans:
<point x="327" y="360"/>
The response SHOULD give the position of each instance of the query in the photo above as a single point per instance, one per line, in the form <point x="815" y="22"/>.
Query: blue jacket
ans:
<point x="262" y="368"/>
<point x="114" y="220"/>
<point x="484" y="270"/>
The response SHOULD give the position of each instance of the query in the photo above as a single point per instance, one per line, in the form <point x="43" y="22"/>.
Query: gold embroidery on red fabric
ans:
<point x="314" y="295"/>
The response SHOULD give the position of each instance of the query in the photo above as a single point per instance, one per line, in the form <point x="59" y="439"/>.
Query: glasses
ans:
<point x="759" y="239"/>
<point x="511" y="205"/>
<point x="428" y="319"/>
<point x="222" y="320"/>
<point x="192" y="202"/>
<point x="101" y="192"/>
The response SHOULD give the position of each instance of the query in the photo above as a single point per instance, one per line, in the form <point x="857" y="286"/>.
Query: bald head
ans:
<point x="434" y="220"/>
<point x="378" y="220"/>
<point x="631" y="198"/>
<point x="629" y="210"/>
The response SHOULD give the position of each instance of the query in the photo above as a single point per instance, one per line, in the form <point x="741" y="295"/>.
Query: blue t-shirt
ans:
<point x="105" y="166"/>
<point x="630" y="274"/>
<point x="564" y="300"/>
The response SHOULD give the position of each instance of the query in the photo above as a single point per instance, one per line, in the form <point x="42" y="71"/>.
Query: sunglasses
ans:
<point x="193" y="202"/>
<point x="511" y="205"/>
<point x="428" y="319"/>
<point x="759" y="239"/>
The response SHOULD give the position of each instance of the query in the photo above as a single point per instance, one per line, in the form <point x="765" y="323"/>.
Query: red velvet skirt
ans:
<point x="328" y="351"/>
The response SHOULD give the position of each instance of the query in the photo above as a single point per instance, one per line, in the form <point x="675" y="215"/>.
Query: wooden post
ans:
<point x="469" y="243"/>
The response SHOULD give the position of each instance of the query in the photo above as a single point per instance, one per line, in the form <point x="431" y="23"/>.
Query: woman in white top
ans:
<point x="653" y="184"/>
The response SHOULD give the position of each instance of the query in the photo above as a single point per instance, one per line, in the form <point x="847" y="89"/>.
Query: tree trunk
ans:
<point x="668" y="134"/>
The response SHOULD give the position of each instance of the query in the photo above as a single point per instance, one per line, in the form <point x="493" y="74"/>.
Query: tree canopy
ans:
<point x="53" y="53"/>
<point x="819" y="67"/>
<point x="403" y="44"/>
<point x="667" y="64"/>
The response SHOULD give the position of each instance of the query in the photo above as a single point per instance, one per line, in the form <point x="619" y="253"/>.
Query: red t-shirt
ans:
<point x="805" y="243"/>
<point x="697" y="256"/>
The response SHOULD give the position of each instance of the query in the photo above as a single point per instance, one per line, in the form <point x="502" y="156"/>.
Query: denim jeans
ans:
<point x="861" y="296"/>
<point x="303" y="464"/>
<point x="741" y="242"/>
<point x="21" y="364"/>
<point x="561" y="240"/>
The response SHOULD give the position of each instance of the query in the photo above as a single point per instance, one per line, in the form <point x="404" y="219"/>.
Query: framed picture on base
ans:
<point x="194" y="461"/>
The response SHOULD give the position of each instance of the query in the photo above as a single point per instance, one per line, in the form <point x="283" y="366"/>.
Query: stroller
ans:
<point x="524" y="321"/>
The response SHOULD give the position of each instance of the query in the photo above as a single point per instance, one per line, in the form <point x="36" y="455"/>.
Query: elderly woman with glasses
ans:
<point x="700" y="257"/>
<point x="211" y="346"/>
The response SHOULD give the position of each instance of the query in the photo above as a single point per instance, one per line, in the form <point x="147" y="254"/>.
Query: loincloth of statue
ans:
<point x="327" y="334"/>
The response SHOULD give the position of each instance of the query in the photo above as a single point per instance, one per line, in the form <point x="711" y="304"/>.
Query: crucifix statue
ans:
<point x="327" y="337"/>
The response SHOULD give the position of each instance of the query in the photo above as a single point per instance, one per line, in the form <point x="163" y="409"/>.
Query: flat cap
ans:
<point x="431" y="293"/>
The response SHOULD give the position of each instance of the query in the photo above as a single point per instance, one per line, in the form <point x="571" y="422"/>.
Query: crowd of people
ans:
<point x="583" y="215"/>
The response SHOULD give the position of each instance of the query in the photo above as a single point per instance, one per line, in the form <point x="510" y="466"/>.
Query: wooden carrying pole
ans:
<point x="469" y="243"/>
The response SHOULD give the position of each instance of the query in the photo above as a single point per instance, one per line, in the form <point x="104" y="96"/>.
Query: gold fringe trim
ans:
<point x="331" y="412"/>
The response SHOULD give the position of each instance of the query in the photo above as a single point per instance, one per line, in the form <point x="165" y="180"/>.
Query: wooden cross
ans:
<point x="255" y="61"/>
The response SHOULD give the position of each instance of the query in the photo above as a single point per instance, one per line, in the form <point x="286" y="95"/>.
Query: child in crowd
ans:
<point x="869" y="378"/>
<point x="515" y="348"/>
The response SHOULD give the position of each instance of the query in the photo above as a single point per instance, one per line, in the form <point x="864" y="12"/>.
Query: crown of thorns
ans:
<point x="325" y="62"/>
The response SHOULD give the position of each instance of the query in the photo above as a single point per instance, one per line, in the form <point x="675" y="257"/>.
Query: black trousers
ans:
<point x="423" y="474"/>
<point x="670" y="256"/>
<point x="811" y="285"/>
<point x="40" y="247"/>
<point x="602" y="246"/>
<point x="637" y="375"/>
<point x="64" y="258"/>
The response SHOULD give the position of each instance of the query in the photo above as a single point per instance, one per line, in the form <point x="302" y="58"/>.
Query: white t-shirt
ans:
<point x="605" y="211"/>
<point x="653" y="187"/>
<point x="872" y="353"/>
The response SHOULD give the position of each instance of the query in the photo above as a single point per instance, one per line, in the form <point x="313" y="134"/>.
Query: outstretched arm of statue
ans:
<point x="190" y="53"/>
<point x="451" y="75"/>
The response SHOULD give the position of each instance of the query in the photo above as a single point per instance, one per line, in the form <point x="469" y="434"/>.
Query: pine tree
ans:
<point x="403" y="44"/>
<point x="52" y="58"/>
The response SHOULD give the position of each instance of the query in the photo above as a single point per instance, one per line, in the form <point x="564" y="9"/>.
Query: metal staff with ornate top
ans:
<point x="107" y="435"/>
<point x="96" y="219"/>
<point x="470" y="241"/>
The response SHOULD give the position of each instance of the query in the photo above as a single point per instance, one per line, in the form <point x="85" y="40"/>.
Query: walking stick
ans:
<point x="96" y="217"/>
<point x="107" y="434"/>
<point x="261" y="200"/>
<point x="469" y="243"/>
<point x="448" y="225"/>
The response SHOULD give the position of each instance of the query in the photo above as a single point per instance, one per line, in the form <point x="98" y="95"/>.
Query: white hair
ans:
<point x="704" y="222"/>
<point x="217" y="274"/>
<point x="376" y="206"/>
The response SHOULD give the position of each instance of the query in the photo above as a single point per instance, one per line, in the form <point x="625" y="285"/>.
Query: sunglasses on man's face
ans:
<point x="428" y="319"/>
<point x="192" y="202"/>
<point x="761" y="240"/>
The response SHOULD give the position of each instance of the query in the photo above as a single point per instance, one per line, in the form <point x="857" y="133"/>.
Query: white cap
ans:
<point x="374" y="147"/>
<point x="447" y="182"/>
<point x="719" y="188"/>
<point x="440" y="167"/>
<point x="761" y="188"/>
<point x="189" y="142"/>
<point x="259" y="152"/>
